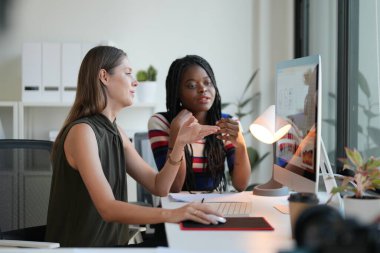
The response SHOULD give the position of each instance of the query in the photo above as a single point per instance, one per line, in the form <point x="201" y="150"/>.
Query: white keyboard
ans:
<point x="232" y="209"/>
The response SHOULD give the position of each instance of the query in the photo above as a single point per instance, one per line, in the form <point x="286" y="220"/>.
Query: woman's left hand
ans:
<point x="229" y="131"/>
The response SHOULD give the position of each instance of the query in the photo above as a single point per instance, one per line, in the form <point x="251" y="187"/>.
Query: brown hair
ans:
<point x="91" y="96"/>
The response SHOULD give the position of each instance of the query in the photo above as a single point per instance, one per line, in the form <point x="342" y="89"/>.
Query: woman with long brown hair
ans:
<point x="91" y="155"/>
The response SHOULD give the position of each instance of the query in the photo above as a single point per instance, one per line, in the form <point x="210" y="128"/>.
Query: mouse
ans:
<point x="216" y="219"/>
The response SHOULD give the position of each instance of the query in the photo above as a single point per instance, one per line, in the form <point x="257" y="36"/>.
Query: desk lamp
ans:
<point x="269" y="128"/>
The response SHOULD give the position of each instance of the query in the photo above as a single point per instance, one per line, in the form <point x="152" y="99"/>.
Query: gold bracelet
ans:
<point x="174" y="163"/>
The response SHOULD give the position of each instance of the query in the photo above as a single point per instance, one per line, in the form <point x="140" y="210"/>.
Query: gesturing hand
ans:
<point x="190" y="130"/>
<point x="229" y="130"/>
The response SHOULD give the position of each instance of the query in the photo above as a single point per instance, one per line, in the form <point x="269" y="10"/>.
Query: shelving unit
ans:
<point x="9" y="119"/>
<point x="29" y="120"/>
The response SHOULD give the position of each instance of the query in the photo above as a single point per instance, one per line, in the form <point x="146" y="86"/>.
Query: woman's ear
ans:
<point x="103" y="76"/>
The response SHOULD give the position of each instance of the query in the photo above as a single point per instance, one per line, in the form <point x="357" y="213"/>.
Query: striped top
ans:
<point x="159" y="129"/>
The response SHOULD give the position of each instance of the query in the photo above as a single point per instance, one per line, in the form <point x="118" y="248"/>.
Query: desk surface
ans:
<point x="237" y="241"/>
<point x="213" y="241"/>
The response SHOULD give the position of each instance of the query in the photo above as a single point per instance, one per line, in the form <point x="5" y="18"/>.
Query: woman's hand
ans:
<point x="189" y="128"/>
<point x="230" y="131"/>
<point x="193" y="211"/>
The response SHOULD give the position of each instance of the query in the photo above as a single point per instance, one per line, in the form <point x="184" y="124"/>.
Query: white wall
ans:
<point x="236" y="37"/>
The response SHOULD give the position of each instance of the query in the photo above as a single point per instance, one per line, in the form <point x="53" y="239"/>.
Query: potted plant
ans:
<point x="243" y="107"/>
<point x="146" y="91"/>
<point x="365" y="175"/>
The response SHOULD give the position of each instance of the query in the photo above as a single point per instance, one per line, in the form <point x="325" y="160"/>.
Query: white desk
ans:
<point x="240" y="241"/>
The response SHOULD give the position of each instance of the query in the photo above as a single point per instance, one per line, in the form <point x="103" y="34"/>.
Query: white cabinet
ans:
<point x="36" y="120"/>
<point x="8" y="120"/>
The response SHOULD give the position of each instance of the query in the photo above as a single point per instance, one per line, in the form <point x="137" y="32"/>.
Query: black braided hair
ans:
<point x="214" y="148"/>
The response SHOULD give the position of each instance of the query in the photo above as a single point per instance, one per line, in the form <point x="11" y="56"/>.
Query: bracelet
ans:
<point x="174" y="163"/>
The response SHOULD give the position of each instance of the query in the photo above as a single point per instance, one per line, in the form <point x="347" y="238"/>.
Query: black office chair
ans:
<point x="25" y="178"/>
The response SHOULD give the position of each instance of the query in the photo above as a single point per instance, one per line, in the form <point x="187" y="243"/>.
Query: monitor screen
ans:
<point x="298" y="89"/>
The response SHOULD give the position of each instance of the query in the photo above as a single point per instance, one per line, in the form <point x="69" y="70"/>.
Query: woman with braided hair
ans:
<point x="191" y="86"/>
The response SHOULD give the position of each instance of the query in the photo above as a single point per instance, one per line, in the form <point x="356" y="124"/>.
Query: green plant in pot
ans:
<point x="146" y="90"/>
<point x="244" y="108"/>
<point x="365" y="176"/>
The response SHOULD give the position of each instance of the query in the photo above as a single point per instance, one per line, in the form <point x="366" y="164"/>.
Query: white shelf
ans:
<point x="60" y="104"/>
<point x="9" y="118"/>
<point x="36" y="120"/>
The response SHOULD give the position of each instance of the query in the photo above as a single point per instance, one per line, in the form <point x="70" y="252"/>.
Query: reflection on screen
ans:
<point x="296" y="102"/>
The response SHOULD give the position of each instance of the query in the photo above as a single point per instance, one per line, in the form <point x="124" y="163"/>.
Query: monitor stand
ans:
<point x="329" y="179"/>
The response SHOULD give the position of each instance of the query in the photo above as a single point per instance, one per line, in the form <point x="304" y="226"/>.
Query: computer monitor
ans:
<point x="298" y="101"/>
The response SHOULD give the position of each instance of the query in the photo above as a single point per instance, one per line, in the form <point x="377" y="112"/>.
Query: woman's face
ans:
<point x="197" y="92"/>
<point x="121" y="84"/>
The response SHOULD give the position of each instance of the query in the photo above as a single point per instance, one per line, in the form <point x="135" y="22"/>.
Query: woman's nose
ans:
<point x="202" y="88"/>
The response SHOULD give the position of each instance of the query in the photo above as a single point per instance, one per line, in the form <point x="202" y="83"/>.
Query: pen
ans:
<point x="202" y="200"/>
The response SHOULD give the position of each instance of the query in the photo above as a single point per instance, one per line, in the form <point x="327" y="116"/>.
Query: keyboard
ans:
<point x="232" y="209"/>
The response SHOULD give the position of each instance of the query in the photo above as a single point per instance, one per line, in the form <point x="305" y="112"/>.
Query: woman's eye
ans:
<point x="191" y="85"/>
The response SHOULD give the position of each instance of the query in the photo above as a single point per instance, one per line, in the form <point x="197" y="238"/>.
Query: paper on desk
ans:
<point x="169" y="250"/>
<point x="209" y="197"/>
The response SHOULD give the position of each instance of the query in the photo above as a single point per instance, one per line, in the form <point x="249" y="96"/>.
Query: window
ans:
<point x="346" y="35"/>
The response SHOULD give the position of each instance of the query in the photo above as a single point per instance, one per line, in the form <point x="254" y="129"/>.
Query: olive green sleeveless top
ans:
<point x="73" y="220"/>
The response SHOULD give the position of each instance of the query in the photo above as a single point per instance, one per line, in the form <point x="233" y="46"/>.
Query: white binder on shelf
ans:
<point x="71" y="60"/>
<point x="31" y="72"/>
<point x="51" y="72"/>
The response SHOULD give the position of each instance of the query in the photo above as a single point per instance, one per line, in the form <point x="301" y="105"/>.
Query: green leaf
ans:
<point x="338" y="189"/>
<point x="370" y="114"/>
<point x="332" y="95"/>
<point x="330" y="121"/>
<point x="142" y="76"/>
<point x="250" y="81"/>
<point x="373" y="163"/>
<point x="363" y="84"/>
<point x="354" y="156"/>
<point x="374" y="133"/>
<point x="241" y="115"/>
<point x="242" y="104"/>
<point x="224" y="105"/>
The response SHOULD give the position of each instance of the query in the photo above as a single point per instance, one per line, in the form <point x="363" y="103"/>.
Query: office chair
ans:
<point x="25" y="177"/>
<point x="144" y="197"/>
<point x="142" y="145"/>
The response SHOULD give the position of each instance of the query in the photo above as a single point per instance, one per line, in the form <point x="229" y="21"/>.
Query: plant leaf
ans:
<point x="330" y="121"/>
<point x="374" y="133"/>
<point x="224" y="105"/>
<point x="363" y="84"/>
<point x="332" y="95"/>
<point x="242" y="104"/>
<point x="354" y="156"/>
<point x="369" y="113"/>
<point x="250" y="81"/>
<point x="373" y="163"/>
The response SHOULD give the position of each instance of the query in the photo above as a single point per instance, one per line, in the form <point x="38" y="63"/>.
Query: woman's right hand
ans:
<point x="194" y="211"/>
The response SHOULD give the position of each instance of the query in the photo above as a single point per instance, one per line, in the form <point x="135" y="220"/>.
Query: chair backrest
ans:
<point x="25" y="177"/>
<point x="142" y="145"/>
